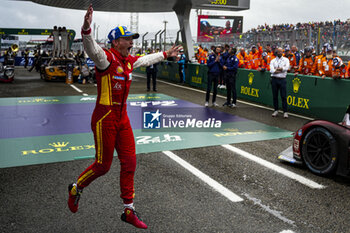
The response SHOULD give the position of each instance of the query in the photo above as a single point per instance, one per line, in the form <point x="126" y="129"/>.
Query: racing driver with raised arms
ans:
<point x="110" y="122"/>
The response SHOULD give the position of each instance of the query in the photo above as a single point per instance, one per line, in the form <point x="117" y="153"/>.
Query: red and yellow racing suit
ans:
<point x="110" y="122"/>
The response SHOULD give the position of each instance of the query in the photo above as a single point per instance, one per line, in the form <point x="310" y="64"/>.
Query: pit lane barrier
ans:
<point x="310" y="96"/>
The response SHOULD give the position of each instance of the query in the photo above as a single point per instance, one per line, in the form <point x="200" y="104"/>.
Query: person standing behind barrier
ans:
<point x="329" y="66"/>
<point x="255" y="57"/>
<point x="214" y="68"/>
<point x="231" y="67"/>
<point x="64" y="42"/>
<point x="243" y="59"/>
<point x="278" y="68"/>
<point x="292" y="60"/>
<point x="306" y="62"/>
<point x="181" y="62"/>
<point x="296" y="53"/>
<point x="265" y="62"/>
<point x="151" y="72"/>
<point x="224" y="56"/>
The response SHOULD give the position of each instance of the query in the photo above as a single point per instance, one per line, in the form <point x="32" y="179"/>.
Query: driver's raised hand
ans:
<point x="88" y="18"/>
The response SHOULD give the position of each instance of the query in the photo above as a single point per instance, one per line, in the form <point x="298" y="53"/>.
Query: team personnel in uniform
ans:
<point x="318" y="59"/>
<point x="339" y="68"/>
<point x="306" y="62"/>
<point x="348" y="71"/>
<point x="297" y="54"/>
<point x="110" y="123"/>
<point x="224" y="56"/>
<point x="292" y="60"/>
<point x="214" y="68"/>
<point x="151" y="72"/>
<point x="230" y="67"/>
<point x="182" y="61"/>
<point x="265" y="62"/>
<point x="278" y="68"/>
<point x="326" y="67"/>
<point x="255" y="57"/>
<point x="243" y="58"/>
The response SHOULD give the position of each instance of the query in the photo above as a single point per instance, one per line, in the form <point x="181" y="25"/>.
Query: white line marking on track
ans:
<point x="77" y="89"/>
<point x="212" y="183"/>
<point x="267" y="208"/>
<point x="224" y="97"/>
<point x="275" y="168"/>
<point x="287" y="231"/>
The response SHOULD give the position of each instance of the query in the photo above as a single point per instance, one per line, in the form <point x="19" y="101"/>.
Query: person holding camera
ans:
<point x="278" y="68"/>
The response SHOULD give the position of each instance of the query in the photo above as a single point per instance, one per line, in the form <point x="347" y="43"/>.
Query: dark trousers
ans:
<point x="212" y="78"/>
<point x="222" y="78"/>
<point x="279" y="84"/>
<point x="25" y="62"/>
<point x="181" y="73"/>
<point x="231" y="88"/>
<point x="152" y="75"/>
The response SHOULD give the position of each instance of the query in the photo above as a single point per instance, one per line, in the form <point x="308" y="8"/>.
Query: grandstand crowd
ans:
<point x="305" y="62"/>
<point x="287" y="27"/>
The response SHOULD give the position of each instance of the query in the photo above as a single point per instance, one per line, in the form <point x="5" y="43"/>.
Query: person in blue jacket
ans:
<point x="181" y="62"/>
<point x="231" y="67"/>
<point x="224" y="56"/>
<point x="214" y="68"/>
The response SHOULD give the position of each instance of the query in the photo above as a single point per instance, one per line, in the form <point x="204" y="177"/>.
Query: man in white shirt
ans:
<point x="278" y="68"/>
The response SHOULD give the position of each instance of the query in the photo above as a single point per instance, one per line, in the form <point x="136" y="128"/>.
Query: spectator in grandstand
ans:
<point x="292" y="60"/>
<point x="243" y="58"/>
<point x="278" y="68"/>
<point x="306" y="62"/>
<point x="151" y="72"/>
<point x="264" y="62"/>
<point x="181" y="60"/>
<point x="214" y="68"/>
<point x="230" y="67"/>
<point x="224" y="57"/>
<point x="255" y="57"/>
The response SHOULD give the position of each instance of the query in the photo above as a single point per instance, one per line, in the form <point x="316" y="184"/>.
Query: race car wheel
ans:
<point x="319" y="151"/>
